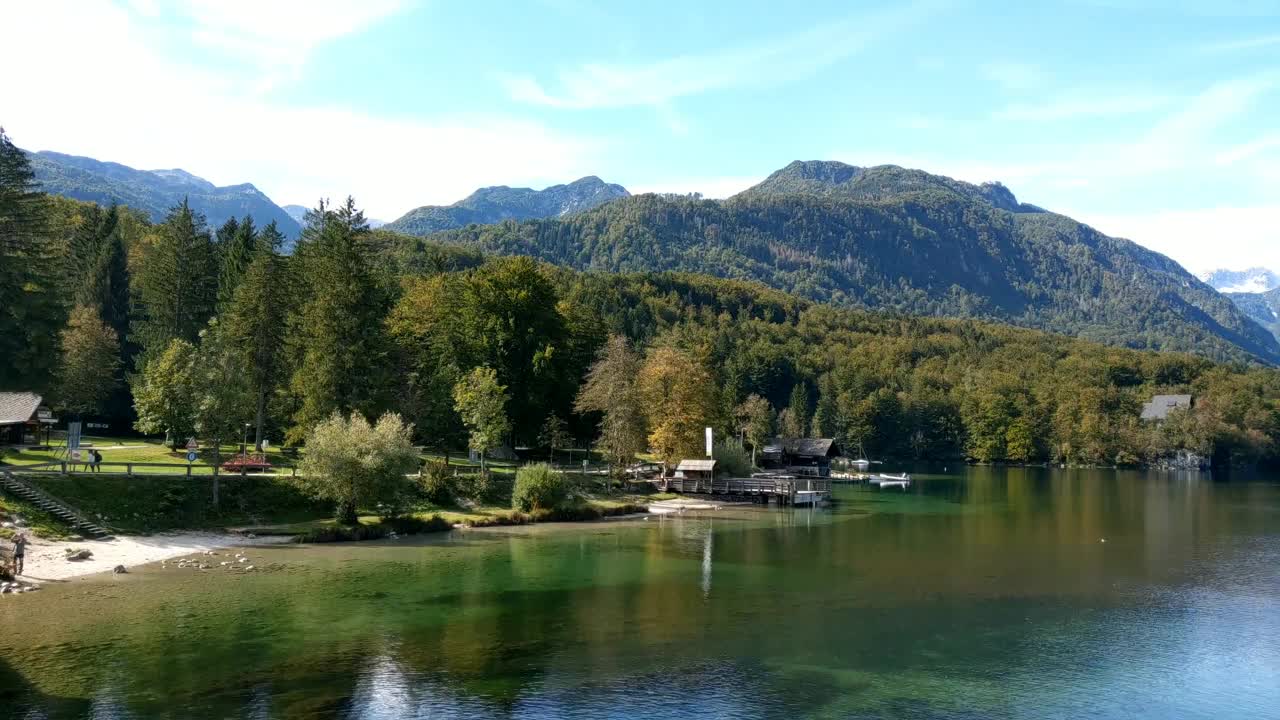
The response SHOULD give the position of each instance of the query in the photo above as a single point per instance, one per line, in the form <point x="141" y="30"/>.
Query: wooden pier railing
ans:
<point x="779" y="487"/>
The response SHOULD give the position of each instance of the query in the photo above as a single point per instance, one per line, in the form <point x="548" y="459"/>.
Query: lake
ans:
<point x="983" y="593"/>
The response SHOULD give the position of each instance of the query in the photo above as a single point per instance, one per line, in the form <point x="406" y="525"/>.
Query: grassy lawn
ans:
<point x="261" y="503"/>
<point x="138" y="450"/>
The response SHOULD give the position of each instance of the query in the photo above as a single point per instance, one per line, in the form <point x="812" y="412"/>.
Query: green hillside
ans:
<point x="906" y="241"/>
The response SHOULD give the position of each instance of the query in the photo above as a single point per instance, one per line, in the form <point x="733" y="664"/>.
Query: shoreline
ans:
<point x="47" y="563"/>
<point x="46" y="559"/>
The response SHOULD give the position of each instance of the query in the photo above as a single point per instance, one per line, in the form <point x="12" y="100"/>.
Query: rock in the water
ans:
<point x="119" y="570"/>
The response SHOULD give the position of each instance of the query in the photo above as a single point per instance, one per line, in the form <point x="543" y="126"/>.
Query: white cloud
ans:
<point x="614" y="85"/>
<point x="1249" y="150"/>
<point x="204" y="122"/>
<point x="1014" y="76"/>
<point x="1202" y="239"/>
<point x="276" y="38"/>
<point x="1252" y="43"/>
<point x="1079" y="106"/>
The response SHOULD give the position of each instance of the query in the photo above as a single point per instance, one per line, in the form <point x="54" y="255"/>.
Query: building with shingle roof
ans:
<point x="809" y="456"/>
<point x="21" y="414"/>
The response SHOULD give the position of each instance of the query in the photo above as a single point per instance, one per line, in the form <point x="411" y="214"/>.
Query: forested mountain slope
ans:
<point x="1263" y="308"/>
<point x="907" y="241"/>
<point x="155" y="192"/>
<point x="498" y="203"/>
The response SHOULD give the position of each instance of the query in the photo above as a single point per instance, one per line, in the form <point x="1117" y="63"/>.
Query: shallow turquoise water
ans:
<point x="984" y="595"/>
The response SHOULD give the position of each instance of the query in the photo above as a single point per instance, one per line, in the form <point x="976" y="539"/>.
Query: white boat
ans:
<point x="862" y="463"/>
<point x="886" y="480"/>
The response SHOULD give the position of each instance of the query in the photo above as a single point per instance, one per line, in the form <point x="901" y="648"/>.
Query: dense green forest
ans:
<point x="185" y="329"/>
<point x="906" y="241"/>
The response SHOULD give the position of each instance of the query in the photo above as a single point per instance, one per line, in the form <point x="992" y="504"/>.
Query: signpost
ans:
<point x="192" y="444"/>
<point x="191" y="456"/>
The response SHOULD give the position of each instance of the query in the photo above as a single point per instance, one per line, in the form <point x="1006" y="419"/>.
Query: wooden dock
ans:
<point x="783" y="490"/>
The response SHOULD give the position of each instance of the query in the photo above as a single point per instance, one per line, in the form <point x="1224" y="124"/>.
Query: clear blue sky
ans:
<point x="1158" y="121"/>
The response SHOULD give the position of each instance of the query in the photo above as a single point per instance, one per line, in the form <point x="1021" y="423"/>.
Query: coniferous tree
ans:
<point x="101" y="265"/>
<point x="255" y="322"/>
<point x="795" y="424"/>
<point x="236" y="253"/>
<point x="223" y="236"/>
<point x="31" y="309"/>
<point x="338" y="334"/>
<point x="176" y="284"/>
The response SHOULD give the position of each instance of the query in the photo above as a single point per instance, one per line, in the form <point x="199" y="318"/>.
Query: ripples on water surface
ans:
<point x="989" y="595"/>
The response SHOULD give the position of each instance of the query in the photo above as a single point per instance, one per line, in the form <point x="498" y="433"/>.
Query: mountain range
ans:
<point x="156" y="191"/>
<point x="880" y="237"/>
<point x="902" y="240"/>
<point x="498" y="203"/>
<point x="1262" y="307"/>
<point x="1253" y="280"/>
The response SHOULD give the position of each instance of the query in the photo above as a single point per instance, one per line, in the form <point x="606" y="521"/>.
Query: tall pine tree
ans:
<point x="338" y="336"/>
<point x="255" y="321"/>
<point x="236" y="252"/>
<point x="176" y="283"/>
<point x="32" y="309"/>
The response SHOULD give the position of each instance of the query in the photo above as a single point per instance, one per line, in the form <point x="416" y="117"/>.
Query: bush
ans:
<point x="400" y="526"/>
<point x="732" y="459"/>
<point x="437" y="484"/>
<point x="538" y="487"/>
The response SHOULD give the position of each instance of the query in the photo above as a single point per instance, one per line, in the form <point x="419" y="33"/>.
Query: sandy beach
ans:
<point x="46" y="559"/>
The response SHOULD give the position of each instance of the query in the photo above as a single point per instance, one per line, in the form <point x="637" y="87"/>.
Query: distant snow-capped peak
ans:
<point x="1253" y="280"/>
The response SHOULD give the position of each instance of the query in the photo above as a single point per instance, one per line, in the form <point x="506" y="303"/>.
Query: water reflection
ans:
<point x="984" y="595"/>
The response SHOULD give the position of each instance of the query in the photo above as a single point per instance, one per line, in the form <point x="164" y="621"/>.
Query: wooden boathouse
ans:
<point x="698" y="477"/>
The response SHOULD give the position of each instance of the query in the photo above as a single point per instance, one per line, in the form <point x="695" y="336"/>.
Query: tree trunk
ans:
<point x="262" y="412"/>
<point x="346" y="513"/>
<point x="217" y="466"/>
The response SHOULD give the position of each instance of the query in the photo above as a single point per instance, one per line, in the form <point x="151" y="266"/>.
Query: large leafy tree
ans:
<point x="482" y="402"/>
<point x="510" y="318"/>
<point x="675" y="389"/>
<point x="357" y="465"/>
<point x="338" y="335"/>
<point x="176" y="283"/>
<point x="223" y="385"/>
<point x="31" y="306"/>
<point x="87" y="373"/>
<point x="755" y="419"/>
<point x="610" y="389"/>
<point x="166" y="394"/>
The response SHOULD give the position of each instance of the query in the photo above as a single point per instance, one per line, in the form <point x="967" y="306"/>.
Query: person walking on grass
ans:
<point x="96" y="459"/>
<point x="19" y="553"/>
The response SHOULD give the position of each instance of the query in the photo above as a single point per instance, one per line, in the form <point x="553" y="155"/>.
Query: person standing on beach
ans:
<point x="19" y="553"/>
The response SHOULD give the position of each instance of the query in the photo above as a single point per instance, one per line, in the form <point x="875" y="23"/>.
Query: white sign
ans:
<point x="75" y="455"/>
<point x="709" y="443"/>
<point x="192" y="444"/>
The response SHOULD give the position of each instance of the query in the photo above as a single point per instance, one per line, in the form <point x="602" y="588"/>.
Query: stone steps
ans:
<point x="20" y="488"/>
